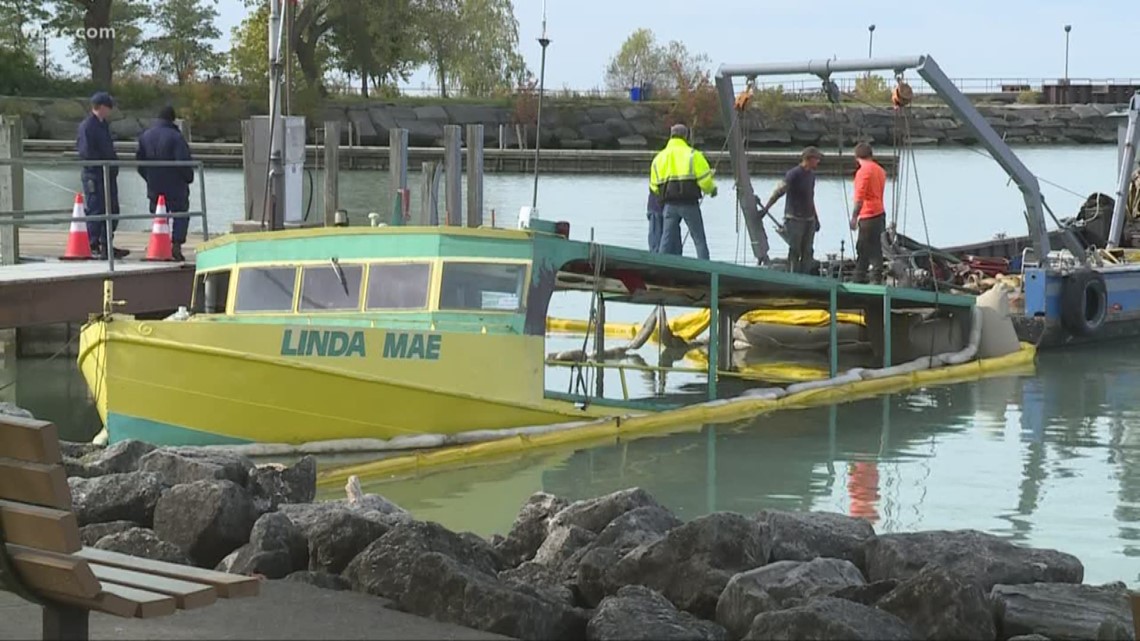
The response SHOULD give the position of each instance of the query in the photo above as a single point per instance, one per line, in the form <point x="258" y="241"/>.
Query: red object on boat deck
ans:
<point x="863" y="490"/>
<point x="562" y="228"/>
<point x="987" y="265"/>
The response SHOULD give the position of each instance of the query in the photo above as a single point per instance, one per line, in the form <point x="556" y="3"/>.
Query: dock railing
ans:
<point x="32" y="217"/>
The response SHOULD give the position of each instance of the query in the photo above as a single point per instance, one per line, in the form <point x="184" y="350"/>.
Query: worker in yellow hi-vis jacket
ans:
<point x="680" y="176"/>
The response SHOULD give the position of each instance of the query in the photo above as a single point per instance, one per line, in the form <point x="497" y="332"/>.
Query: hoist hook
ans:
<point x="831" y="90"/>
<point x="902" y="95"/>
<point x="745" y="97"/>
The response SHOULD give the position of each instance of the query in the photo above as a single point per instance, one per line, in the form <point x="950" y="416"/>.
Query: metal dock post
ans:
<point x="887" y="357"/>
<point x="714" y="333"/>
<point x="833" y="331"/>
<point x="11" y="186"/>
<point x="600" y="344"/>
<point x="398" y="166"/>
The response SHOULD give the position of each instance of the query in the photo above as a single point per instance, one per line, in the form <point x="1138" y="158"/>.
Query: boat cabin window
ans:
<point x="211" y="290"/>
<point x="398" y="285"/>
<point x="322" y="288"/>
<point x="482" y="286"/>
<point x="265" y="289"/>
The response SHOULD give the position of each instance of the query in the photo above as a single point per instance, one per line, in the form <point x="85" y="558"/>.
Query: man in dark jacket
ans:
<point x="94" y="142"/>
<point x="163" y="141"/>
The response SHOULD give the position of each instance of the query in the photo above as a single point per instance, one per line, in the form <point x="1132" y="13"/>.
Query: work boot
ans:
<point x="176" y="252"/>
<point x="121" y="253"/>
<point x="98" y="251"/>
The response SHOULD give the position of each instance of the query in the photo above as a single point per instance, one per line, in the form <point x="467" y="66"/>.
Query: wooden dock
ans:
<point x="44" y="290"/>
<point x="630" y="162"/>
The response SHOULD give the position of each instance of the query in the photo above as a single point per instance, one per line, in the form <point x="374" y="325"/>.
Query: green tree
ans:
<point x="639" y="62"/>
<point x="248" y="57"/>
<point x="19" y="21"/>
<point x="374" y="39"/>
<point x="472" y="45"/>
<point x="182" y="48"/>
<point x="105" y="33"/>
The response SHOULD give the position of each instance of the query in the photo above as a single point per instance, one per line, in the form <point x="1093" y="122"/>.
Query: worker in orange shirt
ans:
<point x="869" y="215"/>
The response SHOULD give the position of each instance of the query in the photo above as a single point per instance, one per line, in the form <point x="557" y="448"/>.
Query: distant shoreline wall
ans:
<point x="623" y="126"/>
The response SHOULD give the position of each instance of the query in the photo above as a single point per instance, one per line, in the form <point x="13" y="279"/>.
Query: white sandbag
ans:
<point x="969" y="352"/>
<point x="764" y="394"/>
<point x="828" y="382"/>
<point x="998" y="335"/>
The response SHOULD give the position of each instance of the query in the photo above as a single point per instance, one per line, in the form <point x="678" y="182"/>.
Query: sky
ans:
<point x="974" y="39"/>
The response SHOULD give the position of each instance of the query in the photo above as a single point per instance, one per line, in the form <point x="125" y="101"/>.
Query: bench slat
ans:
<point x="30" y="440"/>
<point x="229" y="586"/>
<point x="148" y="605"/>
<point x="48" y="572"/>
<point x="40" y="527"/>
<point x="112" y="604"/>
<point x="186" y="594"/>
<point x="36" y="483"/>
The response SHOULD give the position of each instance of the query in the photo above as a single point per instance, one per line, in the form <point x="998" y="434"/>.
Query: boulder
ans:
<point x="982" y="558"/>
<point x="322" y="580"/>
<point x="384" y="566"/>
<point x="770" y="587"/>
<point x="119" y="458"/>
<point x="432" y="112"/>
<point x="276" y="549"/>
<point x="938" y="605"/>
<point x="637" y="527"/>
<point x="1062" y="611"/>
<point x="803" y="536"/>
<point x="633" y="141"/>
<point x="529" y="528"/>
<point x="358" y="500"/>
<point x="116" y="497"/>
<point x="338" y="538"/>
<point x="143" y="543"/>
<point x="595" y="514"/>
<point x="90" y="534"/>
<point x="1028" y="637"/>
<point x="693" y="563"/>
<point x="272" y="485"/>
<point x="447" y="590"/>
<point x="826" y="618"/>
<point x="69" y="449"/>
<point x="637" y="612"/>
<point x="541" y="579"/>
<point x="11" y="409"/>
<point x="207" y="519"/>
<point x="307" y="516"/>
<point x="594" y="576"/>
<point x="596" y="133"/>
<point x="867" y="594"/>
<point x="178" y="466"/>
<point x="562" y="543"/>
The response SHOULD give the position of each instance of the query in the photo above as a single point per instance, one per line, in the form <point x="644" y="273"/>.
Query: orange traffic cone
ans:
<point x="78" y="244"/>
<point x="159" y="248"/>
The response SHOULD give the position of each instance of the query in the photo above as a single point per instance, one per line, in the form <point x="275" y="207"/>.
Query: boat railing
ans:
<point x="30" y="217"/>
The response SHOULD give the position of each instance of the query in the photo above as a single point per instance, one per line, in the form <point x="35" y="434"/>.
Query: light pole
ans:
<point x="1068" y="28"/>
<point x="870" y="41"/>
<point x="544" y="41"/>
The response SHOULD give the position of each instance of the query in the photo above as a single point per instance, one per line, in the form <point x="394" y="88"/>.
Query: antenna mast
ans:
<point x="544" y="41"/>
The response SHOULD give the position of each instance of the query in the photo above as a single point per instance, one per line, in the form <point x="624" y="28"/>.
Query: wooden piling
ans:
<point x="11" y="186"/>
<point x="332" y="171"/>
<point x="429" y="196"/>
<point x="474" y="175"/>
<point x="453" y="173"/>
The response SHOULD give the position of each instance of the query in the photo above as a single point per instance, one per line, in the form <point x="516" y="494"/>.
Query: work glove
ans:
<point x="817" y="224"/>
<point x="713" y="193"/>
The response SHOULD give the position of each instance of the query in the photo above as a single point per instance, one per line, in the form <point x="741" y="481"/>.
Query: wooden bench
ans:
<point x="43" y="561"/>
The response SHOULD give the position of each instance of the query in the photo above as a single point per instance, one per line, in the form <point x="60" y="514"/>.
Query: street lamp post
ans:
<point x="1068" y="28"/>
<point x="870" y="41"/>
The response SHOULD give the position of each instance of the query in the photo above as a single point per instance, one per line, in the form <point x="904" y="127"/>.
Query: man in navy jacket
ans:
<point x="94" y="142"/>
<point x="163" y="141"/>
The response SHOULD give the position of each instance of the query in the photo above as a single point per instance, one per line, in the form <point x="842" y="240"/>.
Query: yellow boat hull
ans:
<point x="202" y="383"/>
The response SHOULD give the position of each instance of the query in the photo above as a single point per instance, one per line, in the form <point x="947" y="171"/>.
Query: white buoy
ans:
<point x="526" y="213"/>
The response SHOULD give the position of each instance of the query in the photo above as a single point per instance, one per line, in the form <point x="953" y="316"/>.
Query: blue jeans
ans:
<point x="671" y="234"/>
<point x="656" y="222"/>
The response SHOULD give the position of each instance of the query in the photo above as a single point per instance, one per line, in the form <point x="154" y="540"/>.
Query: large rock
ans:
<point x="770" y="587"/>
<point x="308" y="516"/>
<point x="272" y="485"/>
<point x="119" y="458"/>
<point x="1063" y="611"/>
<point x="383" y="568"/>
<point x="938" y="605"/>
<point x="535" y="577"/>
<point x="336" y="540"/>
<point x="529" y="528"/>
<point x="447" y="590"/>
<point x="116" y="497"/>
<point x="594" y="577"/>
<point x="827" y="618"/>
<point x="982" y="558"/>
<point x="178" y="466"/>
<point x="90" y="534"/>
<point x="637" y="527"/>
<point x="275" y="550"/>
<point x="322" y="580"/>
<point x="637" y="612"/>
<point x="143" y="543"/>
<point x="11" y="409"/>
<point x="869" y="593"/>
<point x="595" y="514"/>
<point x="803" y="536"/>
<point x="562" y="543"/>
<point x="207" y="519"/>
<point x="693" y="563"/>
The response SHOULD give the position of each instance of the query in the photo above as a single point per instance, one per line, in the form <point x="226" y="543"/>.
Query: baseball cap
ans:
<point x="102" y="98"/>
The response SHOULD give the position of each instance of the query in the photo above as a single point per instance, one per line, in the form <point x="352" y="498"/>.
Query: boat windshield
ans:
<point x="265" y="289"/>
<point x="399" y="285"/>
<point x="482" y="286"/>
<point x="322" y="288"/>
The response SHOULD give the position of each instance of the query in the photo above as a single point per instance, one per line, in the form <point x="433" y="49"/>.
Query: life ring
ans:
<point x="1084" y="302"/>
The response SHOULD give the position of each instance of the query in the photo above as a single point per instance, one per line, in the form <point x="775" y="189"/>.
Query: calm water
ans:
<point x="1049" y="460"/>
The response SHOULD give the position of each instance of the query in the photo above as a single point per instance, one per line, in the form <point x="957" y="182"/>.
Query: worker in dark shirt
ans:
<point x="164" y="141"/>
<point x="801" y="221"/>
<point x="94" y="142"/>
<point x="655" y="212"/>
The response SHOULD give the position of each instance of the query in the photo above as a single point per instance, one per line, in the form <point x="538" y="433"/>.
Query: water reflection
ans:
<point x="1045" y="461"/>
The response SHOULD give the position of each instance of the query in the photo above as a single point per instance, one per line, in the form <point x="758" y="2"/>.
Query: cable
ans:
<point x="309" y="206"/>
<point x="49" y="181"/>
